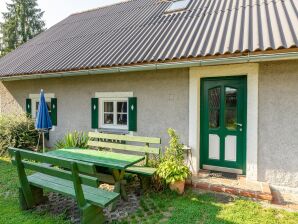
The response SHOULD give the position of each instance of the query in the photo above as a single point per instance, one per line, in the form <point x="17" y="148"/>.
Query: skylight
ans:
<point x="178" y="5"/>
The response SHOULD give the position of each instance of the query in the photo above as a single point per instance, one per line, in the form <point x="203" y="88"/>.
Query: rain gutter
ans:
<point x="159" y="66"/>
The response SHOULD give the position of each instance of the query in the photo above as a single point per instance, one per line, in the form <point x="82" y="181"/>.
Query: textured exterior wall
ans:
<point x="162" y="99"/>
<point x="8" y="103"/>
<point x="278" y="123"/>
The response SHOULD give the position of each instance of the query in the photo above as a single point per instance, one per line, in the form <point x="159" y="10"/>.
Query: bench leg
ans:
<point x="38" y="196"/>
<point x="91" y="214"/>
<point x="145" y="182"/>
<point x="22" y="200"/>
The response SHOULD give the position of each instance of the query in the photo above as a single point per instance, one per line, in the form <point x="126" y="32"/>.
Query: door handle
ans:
<point x="238" y="124"/>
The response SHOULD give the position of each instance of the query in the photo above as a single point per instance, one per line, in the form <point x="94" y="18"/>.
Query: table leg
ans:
<point x="120" y="183"/>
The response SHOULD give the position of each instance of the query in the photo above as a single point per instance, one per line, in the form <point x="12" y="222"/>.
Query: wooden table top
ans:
<point x="99" y="158"/>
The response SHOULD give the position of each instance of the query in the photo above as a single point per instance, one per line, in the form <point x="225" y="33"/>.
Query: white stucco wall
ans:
<point x="162" y="99"/>
<point x="278" y="123"/>
<point x="170" y="98"/>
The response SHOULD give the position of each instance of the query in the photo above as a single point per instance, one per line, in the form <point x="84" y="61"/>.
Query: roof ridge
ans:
<point x="100" y="7"/>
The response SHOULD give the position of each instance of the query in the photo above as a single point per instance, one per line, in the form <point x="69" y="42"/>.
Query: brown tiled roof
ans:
<point x="138" y="31"/>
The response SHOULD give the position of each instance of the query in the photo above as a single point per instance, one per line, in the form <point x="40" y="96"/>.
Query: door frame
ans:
<point x="232" y="77"/>
<point x="251" y="70"/>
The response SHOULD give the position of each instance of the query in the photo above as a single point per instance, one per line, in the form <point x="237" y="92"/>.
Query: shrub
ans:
<point x="172" y="167"/>
<point x="17" y="131"/>
<point x="73" y="140"/>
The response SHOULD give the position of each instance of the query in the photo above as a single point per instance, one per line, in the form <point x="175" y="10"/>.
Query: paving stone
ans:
<point x="59" y="204"/>
<point x="237" y="186"/>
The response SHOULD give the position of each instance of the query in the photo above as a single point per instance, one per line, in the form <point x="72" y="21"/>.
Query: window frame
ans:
<point x="35" y="99"/>
<point x="169" y="10"/>
<point x="115" y="113"/>
<point x="115" y="97"/>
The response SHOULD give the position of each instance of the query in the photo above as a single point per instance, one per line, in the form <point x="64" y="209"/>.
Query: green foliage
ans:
<point x="22" y="21"/>
<point x="73" y="140"/>
<point x="17" y="131"/>
<point x="175" y="150"/>
<point x="172" y="167"/>
<point x="172" y="171"/>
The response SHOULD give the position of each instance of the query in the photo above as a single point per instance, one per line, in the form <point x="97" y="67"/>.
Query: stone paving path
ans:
<point x="62" y="205"/>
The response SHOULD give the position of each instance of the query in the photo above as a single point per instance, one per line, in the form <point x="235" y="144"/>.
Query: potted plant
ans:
<point x="172" y="167"/>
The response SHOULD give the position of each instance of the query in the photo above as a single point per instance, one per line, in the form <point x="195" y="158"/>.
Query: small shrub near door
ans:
<point x="172" y="168"/>
<point x="17" y="131"/>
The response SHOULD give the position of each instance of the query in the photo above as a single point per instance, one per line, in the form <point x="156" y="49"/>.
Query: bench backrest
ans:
<point x="54" y="166"/>
<point x="125" y="142"/>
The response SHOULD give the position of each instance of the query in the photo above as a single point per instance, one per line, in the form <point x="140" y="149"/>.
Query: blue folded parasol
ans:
<point x="43" y="120"/>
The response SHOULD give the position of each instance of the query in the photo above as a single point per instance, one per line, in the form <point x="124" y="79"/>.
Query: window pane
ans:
<point x="108" y="118"/>
<point x="213" y="118"/>
<point x="231" y="108"/>
<point x="214" y="107"/>
<point x="122" y="107"/>
<point x="108" y="107"/>
<point x="49" y="106"/>
<point x="178" y="5"/>
<point x="214" y="98"/>
<point x="231" y="97"/>
<point x="122" y="119"/>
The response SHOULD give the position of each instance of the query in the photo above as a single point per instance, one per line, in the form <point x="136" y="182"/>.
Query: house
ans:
<point x="224" y="74"/>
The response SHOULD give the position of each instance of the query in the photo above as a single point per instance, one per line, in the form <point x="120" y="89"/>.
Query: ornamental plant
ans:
<point x="172" y="167"/>
<point x="74" y="139"/>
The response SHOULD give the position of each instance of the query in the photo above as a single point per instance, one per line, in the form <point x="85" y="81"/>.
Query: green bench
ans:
<point x="68" y="177"/>
<point x="131" y="144"/>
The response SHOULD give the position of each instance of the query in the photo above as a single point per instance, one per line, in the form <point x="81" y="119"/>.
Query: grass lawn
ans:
<point x="9" y="205"/>
<point x="155" y="208"/>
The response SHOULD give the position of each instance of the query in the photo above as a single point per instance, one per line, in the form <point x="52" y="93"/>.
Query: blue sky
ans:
<point x="56" y="10"/>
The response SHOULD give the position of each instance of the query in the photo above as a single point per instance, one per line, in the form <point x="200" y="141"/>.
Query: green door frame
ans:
<point x="244" y="127"/>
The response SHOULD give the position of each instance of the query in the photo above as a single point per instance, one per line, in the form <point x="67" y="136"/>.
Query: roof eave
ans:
<point x="249" y="58"/>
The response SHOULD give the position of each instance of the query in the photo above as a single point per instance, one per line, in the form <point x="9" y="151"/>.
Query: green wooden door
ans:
<point x="223" y="123"/>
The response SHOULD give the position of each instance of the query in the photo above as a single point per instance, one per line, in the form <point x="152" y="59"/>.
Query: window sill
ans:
<point x="113" y="131"/>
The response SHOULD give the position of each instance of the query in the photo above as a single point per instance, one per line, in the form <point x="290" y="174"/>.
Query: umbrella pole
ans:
<point x="38" y="141"/>
<point x="43" y="145"/>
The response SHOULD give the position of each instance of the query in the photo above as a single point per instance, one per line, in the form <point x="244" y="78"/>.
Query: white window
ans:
<point x="35" y="102"/>
<point x="113" y="110"/>
<point x="178" y="5"/>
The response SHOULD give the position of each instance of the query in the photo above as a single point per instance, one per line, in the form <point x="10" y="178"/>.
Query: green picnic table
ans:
<point x="117" y="162"/>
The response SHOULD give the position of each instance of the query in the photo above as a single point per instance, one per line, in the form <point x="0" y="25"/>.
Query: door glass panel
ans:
<point x="230" y="108"/>
<point x="214" y="107"/>
<point x="230" y="148"/>
<point x="214" y="146"/>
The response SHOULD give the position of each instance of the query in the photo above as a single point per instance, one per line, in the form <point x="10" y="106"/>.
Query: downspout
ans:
<point x="159" y="66"/>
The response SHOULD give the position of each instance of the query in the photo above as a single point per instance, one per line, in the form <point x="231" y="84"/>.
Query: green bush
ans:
<point x="172" y="167"/>
<point x="17" y="131"/>
<point x="74" y="139"/>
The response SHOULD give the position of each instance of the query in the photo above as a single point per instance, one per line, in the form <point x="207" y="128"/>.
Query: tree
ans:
<point x="22" y="21"/>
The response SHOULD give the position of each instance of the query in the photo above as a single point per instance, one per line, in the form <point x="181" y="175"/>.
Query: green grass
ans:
<point x="170" y="208"/>
<point x="9" y="206"/>
<point x="155" y="208"/>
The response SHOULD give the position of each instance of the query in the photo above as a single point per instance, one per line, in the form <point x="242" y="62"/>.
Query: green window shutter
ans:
<point x="29" y="107"/>
<point x="132" y="114"/>
<point x="54" y="111"/>
<point x="94" y="113"/>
